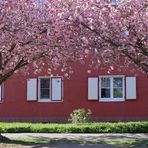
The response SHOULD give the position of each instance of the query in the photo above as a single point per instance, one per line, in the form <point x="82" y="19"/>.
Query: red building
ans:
<point x="119" y="95"/>
<point x="111" y="97"/>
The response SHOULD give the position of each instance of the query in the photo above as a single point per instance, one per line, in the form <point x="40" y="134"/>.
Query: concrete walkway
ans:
<point x="79" y="136"/>
<point x="71" y="140"/>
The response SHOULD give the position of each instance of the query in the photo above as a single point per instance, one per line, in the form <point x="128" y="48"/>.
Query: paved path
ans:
<point x="73" y="137"/>
<point x="79" y="136"/>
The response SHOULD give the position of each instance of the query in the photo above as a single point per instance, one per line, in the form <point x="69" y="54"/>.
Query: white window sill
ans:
<point x="49" y="100"/>
<point x="111" y="99"/>
<point x="43" y="100"/>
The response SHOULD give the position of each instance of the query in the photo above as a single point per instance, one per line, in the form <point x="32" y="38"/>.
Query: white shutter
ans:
<point x="56" y="91"/>
<point x="32" y="89"/>
<point x="0" y="92"/>
<point x="130" y="87"/>
<point x="93" y="88"/>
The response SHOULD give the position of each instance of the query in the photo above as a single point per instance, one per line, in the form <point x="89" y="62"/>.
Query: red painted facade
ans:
<point x="16" y="107"/>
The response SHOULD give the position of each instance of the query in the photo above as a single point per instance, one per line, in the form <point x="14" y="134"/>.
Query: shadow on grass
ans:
<point x="40" y="142"/>
<point x="128" y="143"/>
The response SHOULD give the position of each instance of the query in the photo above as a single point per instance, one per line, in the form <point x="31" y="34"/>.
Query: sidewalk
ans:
<point x="71" y="140"/>
<point x="79" y="136"/>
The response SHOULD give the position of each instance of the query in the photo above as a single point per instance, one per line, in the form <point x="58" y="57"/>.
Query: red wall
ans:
<point x="16" y="107"/>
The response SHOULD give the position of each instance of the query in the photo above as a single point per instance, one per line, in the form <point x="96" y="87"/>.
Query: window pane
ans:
<point x="118" y="93"/>
<point x="117" y="82"/>
<point x="44" y="83"/>
<point x="105" y="93"/>
<point x="105" y="82"/>
<point x="44" y="93"/>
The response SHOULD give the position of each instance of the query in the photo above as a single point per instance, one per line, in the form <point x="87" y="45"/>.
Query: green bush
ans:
<point x="95" y="127"/>
<point x="80" y="115"/>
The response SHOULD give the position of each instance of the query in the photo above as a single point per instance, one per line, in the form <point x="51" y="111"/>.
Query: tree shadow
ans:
<point x="63" y="142"/>
<point x="67" y="143"/>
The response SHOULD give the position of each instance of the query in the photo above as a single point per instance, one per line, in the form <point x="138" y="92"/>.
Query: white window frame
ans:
<point x="50" y="87"/>
<point x="111" y="99"/>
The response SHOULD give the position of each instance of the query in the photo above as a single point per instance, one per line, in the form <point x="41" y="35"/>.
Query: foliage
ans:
<point x="80" y="115"/>
<point x="98" y="127"/>
<point x="34" y="34"/>
<point x="114" y="33"/>
<point x="55" y="33"/>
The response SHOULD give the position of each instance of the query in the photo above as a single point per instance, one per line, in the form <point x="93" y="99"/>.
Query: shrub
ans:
<point x="95" y="127"/>
<point x="80" y="115"/>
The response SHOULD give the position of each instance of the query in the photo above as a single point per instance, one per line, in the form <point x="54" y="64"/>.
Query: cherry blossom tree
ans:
<point x="34" y="32"/>
<point x="116" y="33"/>
<point x="66" y="30"/>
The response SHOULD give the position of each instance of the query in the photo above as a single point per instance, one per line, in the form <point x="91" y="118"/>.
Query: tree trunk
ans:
<point x="4" y="139"/>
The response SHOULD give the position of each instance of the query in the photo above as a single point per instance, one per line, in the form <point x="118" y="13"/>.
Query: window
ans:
<point x="111" y="88"/>
<point x="105" y="88"/>
<point x="50" y="89"/>
<point x="44" y="88"/>
<point x="118" y="87"/>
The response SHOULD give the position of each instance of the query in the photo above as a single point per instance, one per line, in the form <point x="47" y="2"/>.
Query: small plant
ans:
<point x="80" y="115"/>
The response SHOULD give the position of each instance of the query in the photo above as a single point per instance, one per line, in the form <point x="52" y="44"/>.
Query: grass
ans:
<point x="41" y="142"/>
<point x="96" y="127"/>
